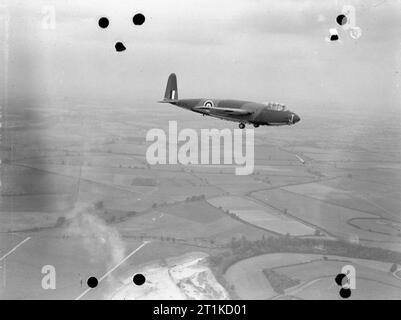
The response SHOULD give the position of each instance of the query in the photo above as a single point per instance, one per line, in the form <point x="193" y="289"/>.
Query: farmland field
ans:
<point x="264" y="217"/>
<point x="322" y="214"/>
<point x="315" y="275"/>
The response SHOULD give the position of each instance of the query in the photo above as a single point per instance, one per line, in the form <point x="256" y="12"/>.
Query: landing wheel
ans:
<point x="255" y="125"/>
<point x="241" y="125"/>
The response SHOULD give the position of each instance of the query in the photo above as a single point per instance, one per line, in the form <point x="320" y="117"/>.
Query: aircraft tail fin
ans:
<point x="171" y="93"/>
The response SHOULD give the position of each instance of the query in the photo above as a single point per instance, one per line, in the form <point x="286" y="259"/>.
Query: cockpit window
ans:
<point x="275" y="106"/>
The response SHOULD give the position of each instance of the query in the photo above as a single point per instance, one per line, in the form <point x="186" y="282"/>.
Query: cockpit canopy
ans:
<point x="275" y="106"/>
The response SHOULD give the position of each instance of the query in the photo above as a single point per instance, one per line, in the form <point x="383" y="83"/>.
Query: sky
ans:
<point x="242" y="49"/>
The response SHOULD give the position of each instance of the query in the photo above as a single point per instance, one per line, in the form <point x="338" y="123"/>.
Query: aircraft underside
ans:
<point x="243" y="120"/>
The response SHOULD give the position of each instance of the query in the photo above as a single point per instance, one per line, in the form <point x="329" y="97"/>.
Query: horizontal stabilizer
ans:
<point x="167" y="101"/>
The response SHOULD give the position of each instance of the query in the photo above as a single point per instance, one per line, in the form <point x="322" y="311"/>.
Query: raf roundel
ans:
<point x="208" y="103"/>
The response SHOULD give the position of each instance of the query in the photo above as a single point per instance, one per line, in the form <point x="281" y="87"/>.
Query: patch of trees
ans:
<point x="98" y="205"/>
<point x="143" y="181"/>
<point x="280" y="282"/>
<point x="232" y="215"/>
<point x="111" y="216"/>
<point x="60" y="222"/>
<point x="195" y="198"/>
<point x="187" y="199"/>
<point x="242" y="248"/>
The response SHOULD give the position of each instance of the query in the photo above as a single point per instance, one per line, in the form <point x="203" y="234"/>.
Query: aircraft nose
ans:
<point x="296" y="118"/>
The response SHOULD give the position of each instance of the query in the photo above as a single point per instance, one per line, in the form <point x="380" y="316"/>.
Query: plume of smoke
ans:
<point x="102" y="241"/>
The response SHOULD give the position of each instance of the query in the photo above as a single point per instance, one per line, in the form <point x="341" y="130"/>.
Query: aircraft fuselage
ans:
<point x="270" y="114"/>
<point x="259" y="113"/>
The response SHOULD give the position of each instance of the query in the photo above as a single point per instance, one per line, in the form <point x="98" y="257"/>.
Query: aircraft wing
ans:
<point x="227" y="111"/>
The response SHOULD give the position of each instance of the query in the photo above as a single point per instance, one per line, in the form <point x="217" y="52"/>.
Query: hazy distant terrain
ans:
<point x="90" y="183"/>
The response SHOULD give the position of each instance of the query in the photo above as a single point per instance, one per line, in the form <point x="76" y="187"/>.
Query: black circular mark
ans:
<point x="119" y="47"/>
<point x="139" y="279"/>
<point x="345" y="293"/>
<point x="92" y="282"/>
<point x="138" y="19"/>
<point x="340" y="278"/>
<point x="103" y="22"/>
<point x="341" y="19"/>
<point x="334" y="37"/>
